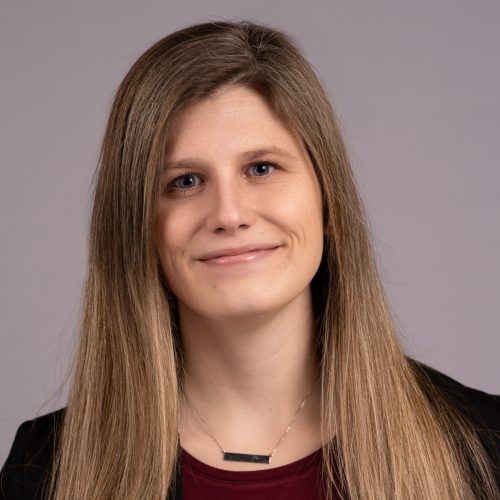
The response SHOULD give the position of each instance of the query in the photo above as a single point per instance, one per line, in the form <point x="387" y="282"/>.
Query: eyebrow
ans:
<point x="250" y="155"/>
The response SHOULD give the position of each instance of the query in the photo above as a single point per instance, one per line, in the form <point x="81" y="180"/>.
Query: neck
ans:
<point x="249" y="362"/>
<point x="248" y="377"/>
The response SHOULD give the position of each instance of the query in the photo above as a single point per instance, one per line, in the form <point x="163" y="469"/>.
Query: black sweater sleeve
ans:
<point x="26" y="471"/>
<point x="480" y="408"/>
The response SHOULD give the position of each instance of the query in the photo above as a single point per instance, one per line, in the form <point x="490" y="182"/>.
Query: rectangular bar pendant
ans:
<point x="243" y="457"/>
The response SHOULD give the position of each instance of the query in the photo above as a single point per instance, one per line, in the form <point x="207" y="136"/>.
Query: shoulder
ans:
<point x="26" y="471"/>
<point x="29" y="462"/>
<point x="483" y="408"/>
<point x="480" y="408"/>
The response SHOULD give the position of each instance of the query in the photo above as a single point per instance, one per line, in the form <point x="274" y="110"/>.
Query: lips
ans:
<point x="227" y="252"/>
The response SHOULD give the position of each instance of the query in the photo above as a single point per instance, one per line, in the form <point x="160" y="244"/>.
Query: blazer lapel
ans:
<point x="175" y="491"/>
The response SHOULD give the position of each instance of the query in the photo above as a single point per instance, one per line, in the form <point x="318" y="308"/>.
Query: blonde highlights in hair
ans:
<point x="396" y="436"/>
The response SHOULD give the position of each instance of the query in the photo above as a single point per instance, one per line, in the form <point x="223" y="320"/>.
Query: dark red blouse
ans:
<point x="299" y="480"/>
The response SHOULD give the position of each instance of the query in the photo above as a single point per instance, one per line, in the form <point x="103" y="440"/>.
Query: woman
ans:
<point x="236" y="341"/>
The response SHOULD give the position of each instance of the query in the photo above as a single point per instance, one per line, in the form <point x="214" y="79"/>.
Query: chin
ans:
<point x="244" y="304"/>
<point x="239" y="309"/>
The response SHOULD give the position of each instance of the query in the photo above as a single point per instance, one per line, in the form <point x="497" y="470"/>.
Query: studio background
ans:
<point x="416" y="88"/>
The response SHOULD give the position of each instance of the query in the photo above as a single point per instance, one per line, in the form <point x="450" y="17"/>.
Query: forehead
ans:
<point x="232" y="120"/>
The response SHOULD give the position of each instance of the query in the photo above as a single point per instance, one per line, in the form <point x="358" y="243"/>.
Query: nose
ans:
<point x="230" y="207"/>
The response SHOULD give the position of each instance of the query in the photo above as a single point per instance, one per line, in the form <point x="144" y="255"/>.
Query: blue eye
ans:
<point x="184" y="181"/>
<point x="263" y="164"/>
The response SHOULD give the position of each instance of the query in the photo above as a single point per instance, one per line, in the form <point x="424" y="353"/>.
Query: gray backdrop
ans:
<point x="416" y="87"/>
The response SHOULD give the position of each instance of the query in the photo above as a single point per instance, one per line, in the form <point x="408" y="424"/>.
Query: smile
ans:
<point x="241" y="258"/>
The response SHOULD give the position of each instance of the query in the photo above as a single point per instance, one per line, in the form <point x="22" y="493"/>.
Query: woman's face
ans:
<point x="237" y="179"/>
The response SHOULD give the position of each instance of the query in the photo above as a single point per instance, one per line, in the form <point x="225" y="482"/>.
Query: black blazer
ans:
<point x="30" y="457"/>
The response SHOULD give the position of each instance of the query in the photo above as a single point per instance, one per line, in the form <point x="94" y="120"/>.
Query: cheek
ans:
<point x="300" y="209"/>
<point x="171" y="238"/>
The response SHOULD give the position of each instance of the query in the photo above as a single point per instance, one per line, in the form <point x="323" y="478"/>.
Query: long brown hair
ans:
<point x="397" y="437"/>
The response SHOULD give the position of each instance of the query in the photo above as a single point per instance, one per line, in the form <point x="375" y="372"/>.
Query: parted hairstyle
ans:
<point x="396" y="436"/>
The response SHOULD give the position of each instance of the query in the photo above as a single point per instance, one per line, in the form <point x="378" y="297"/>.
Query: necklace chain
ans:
<point x="191" y="404"/>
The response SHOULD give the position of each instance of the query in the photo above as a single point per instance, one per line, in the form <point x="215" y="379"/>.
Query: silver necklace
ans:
<point x="246" y="457"/>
